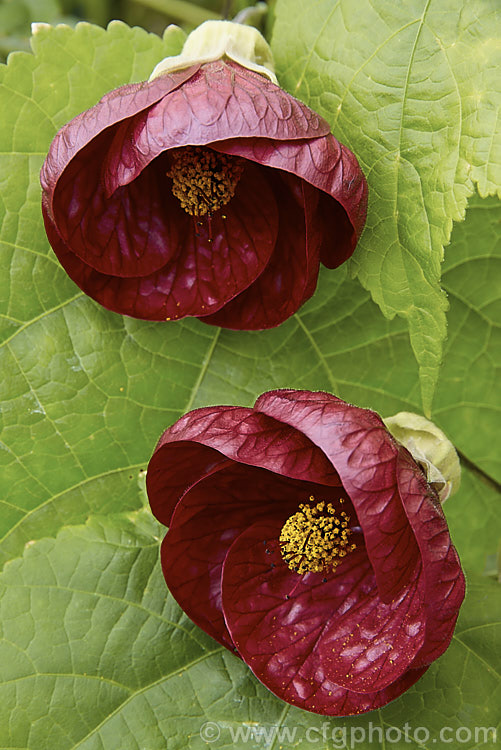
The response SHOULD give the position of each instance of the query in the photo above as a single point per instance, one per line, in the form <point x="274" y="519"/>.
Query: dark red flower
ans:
<point x="208" y="192"/>
<point x="306" y="539"/>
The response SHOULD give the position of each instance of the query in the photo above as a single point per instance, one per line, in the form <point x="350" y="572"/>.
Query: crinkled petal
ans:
<point x="323" y="642"/>
<point x="236" y="433"/>
<point x="207" y="519"/>
<point x="115" y="106"/>
<point x="134" y="232"/>
<point x="328" y="166"/>
<point x="443" y="577"/>
<point x="222" y="100"/>
<point x="366" y="458"/>
<point x="230" y="251"/>
<point x="291" y="275"/>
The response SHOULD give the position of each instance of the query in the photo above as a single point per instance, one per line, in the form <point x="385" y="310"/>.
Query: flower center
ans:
<point x="204" y="180"/>
<point x="315" y="538"/>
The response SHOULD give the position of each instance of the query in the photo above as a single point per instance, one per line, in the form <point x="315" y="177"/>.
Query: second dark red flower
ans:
<point x="306" y="539"/>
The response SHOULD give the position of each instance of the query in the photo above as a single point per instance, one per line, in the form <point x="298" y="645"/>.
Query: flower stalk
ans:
<point x="182" y="11"/>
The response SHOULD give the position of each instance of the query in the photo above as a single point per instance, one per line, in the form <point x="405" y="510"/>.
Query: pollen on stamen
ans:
<point x="315" y="538"/>
<point x="204" y="180"/>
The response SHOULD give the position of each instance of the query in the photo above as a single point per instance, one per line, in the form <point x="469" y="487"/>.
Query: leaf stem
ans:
<point x="181" y="10"/>
<point x="481" y="474"/>
<point x="226" y="8"/>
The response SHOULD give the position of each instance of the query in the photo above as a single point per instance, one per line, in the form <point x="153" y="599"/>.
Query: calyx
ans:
<point x="214" y="40"/>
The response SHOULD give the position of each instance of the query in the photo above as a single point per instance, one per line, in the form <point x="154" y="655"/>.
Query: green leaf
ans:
<point x="413" y="90"/>
<point x="468" y="401"/>
<point x="93" y="652"/>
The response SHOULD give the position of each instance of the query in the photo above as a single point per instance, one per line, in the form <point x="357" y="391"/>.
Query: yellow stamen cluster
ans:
<point x="203" y="180"/>
<point x="315" y="538"/>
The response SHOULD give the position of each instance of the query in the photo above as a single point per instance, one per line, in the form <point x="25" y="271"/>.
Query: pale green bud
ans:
<point x="214" y="40"/>
<point x="430" y="448"/>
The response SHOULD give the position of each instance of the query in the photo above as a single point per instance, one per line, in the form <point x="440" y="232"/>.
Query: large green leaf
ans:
<point x="93" y="652"/>
<point x="413" y="89"/>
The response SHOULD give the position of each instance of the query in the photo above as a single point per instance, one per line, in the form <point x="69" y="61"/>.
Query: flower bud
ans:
<point x="430" y="448"/>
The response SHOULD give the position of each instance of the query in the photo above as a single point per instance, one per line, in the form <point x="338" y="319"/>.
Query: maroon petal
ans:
<point x="115" y="106"/>
<point x="222" y="100"/>
<point x="174" y="470"/>
<point x="235" y="433"/>
<point x="208" y="269"/>
<point x="205" y="522"/>
<point x="327" y="165"/>
<point x="134" y="232"/>
<point x="444" y="580"/>
<point x="192" y="553"/>
<point x="291" y="275"/>
<point x="366" y="458"/>
<point x="325" y="646"/>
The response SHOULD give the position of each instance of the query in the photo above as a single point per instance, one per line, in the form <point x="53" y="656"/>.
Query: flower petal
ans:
<point x="222" y="100"/>
<point x="214" y="262"/>
<point x="443" y="577"/>
<point x="331" y="168"/>
<point x="236" y="433"/>
<point x="172" y="472"/>
<point x="291" y="275"/>
<point x="133" y="232"/>
<point x="115" y="106"/>
<point x="192" y="553"/>
<point x="325" y="646"/>
<point x="366" y="458"/>
<point x="205" y="522"/>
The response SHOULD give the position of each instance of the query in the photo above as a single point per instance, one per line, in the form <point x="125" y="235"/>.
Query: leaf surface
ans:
<point x="413" y="90"/>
